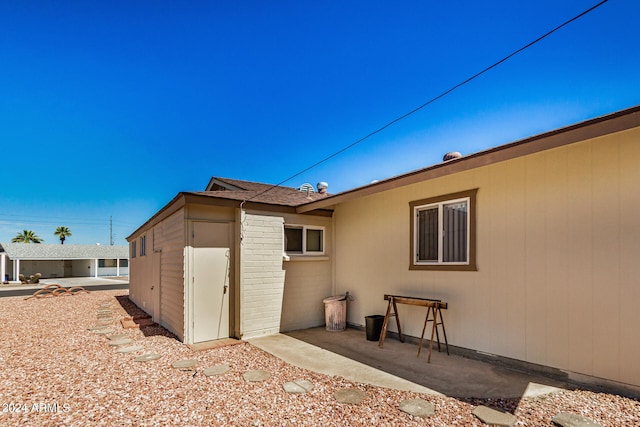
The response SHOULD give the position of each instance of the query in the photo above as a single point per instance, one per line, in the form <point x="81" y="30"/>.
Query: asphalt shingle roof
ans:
<point x="262" y="193"/>
<point x="59" y="252"/>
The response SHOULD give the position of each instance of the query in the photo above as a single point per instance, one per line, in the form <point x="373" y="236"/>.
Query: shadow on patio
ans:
<point x="454" y="375"/>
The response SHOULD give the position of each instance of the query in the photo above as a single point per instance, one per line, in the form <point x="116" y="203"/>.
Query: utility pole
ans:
<point x="110" y="230"/>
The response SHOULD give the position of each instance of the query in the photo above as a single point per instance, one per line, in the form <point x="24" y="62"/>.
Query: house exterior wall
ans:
<point x="308" y="280"/>
<point x="558" y="239"/>
<point x="278" y="295"/>
<point x="210" y="214"/>
<point x="168" y="238"/>
<point x="47" y="268"/>
<point x="261" y="273"/>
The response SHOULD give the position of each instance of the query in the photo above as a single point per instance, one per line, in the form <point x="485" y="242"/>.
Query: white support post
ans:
<point x="3" y="266"/>
<point x="117" y="267"/>
<point x="16" y="269"/>
<point x="95" y="264"/>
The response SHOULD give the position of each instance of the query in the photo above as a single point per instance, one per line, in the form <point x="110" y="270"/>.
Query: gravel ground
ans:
<point x="56" y="372"/>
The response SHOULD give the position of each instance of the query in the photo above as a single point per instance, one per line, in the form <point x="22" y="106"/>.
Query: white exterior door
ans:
<point x="211" y="269"/>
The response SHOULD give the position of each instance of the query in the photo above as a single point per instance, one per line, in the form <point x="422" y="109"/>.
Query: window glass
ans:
<point x="124" y="263"/>
<point x="314" y="240"/>
<point x="106" y="263"/>
<point x="428" y="234"/>
<point x="454" y="232"/>
<point x="293" y="239"/>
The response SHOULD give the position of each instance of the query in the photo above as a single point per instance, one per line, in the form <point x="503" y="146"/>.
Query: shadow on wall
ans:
<point x="137" y="313"/>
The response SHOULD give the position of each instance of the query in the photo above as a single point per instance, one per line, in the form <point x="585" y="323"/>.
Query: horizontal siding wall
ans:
<point x="558" y="244"/>
<point x="262" y="275"/>
<point x="170" y="239"/>
<point x="140" y="276"/>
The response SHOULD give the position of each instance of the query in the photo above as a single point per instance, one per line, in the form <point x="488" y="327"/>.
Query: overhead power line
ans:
<point x="432" y="100"/>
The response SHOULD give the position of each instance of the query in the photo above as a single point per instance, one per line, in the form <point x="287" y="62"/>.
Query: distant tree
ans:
<point x="62" y="233"/>
<point x="27" y="236"/>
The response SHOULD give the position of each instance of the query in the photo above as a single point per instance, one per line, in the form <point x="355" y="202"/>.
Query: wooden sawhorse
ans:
<point x="434" y="314"/>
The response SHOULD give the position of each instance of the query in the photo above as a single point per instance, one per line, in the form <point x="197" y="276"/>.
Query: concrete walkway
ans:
<point x="308" y="356"/>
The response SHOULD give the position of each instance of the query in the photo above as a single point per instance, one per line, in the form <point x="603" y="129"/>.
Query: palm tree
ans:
<point x="62" y="233"/>
<point x="27" y="236"/>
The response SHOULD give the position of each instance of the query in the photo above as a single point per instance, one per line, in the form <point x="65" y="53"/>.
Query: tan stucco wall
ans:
<point x="307" y="280"/>
<point x="558" y="245"/>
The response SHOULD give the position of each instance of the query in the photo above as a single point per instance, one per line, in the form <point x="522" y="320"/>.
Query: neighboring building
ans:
<point x="53" y="261"/>
<point x="534" y="245"/>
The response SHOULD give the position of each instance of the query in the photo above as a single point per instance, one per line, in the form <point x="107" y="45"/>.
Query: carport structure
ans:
<point x="62" y="260"/>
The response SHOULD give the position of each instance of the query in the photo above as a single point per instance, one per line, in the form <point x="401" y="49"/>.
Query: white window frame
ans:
<point x="304" y="229"/>
<point x="440" y="207"/>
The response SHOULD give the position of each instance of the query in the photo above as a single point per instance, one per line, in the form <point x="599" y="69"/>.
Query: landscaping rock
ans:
<point x="350" y="395"/>
<point x="417" y="408"/>
<point x="185" y="364"/>
<point x="297" y="386"/>
<point x="256" y="375"/>
<point x="494" y="417"/>
<point x="130" y="349"/>
<point x="566" y="419"/>
<point x="119" y="342"/>
<point x="105" y="331"/>
<point x="216" y="370"/>
<point x="147" y="357"/>
<point x="118" y="336"/>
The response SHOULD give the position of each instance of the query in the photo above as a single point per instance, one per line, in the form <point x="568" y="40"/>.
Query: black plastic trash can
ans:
<point x="374" y="326"/>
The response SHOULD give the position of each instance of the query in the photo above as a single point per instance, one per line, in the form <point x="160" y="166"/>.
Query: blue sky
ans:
<point x="112" y="108"/>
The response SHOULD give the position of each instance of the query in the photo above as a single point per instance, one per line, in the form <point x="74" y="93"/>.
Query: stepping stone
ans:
<point x="122" y="341"/>
<point x="256" y="375"/>
<point x="118" y="336"/>
<point x="350" y="395"/>
<point x="147" y="357"/>
<point x="104" y="331"/>
<point x="104" y="316"/>
<point x="417" y="408"/>
<point x="97" y="327"/>
<point x="566" y="419"/>
<point x="297" y="386"/>
<point x="185" y="364"/>
<point x="130" y="349"/>
<point x="216" y="370"/>
<point x="494" y="417"/>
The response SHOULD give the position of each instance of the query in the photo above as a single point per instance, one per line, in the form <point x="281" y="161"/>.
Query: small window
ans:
<point x="303" y="240"/>
<point x="133" y="249"/>
<point x="106" y="263"/>
<point x="124" y="263"/>
<point x="443" y="232"/>
<point x="143" y="245"/>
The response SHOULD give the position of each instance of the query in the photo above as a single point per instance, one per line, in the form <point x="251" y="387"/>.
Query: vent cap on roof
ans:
<point x="322" y="187"/>
<point x="306" y="188"/>
<point x="452" y="155"/>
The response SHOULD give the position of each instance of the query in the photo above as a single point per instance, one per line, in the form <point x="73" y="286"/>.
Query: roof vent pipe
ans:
<point x="452" y="155"/>
<point x="322" y="187"/>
